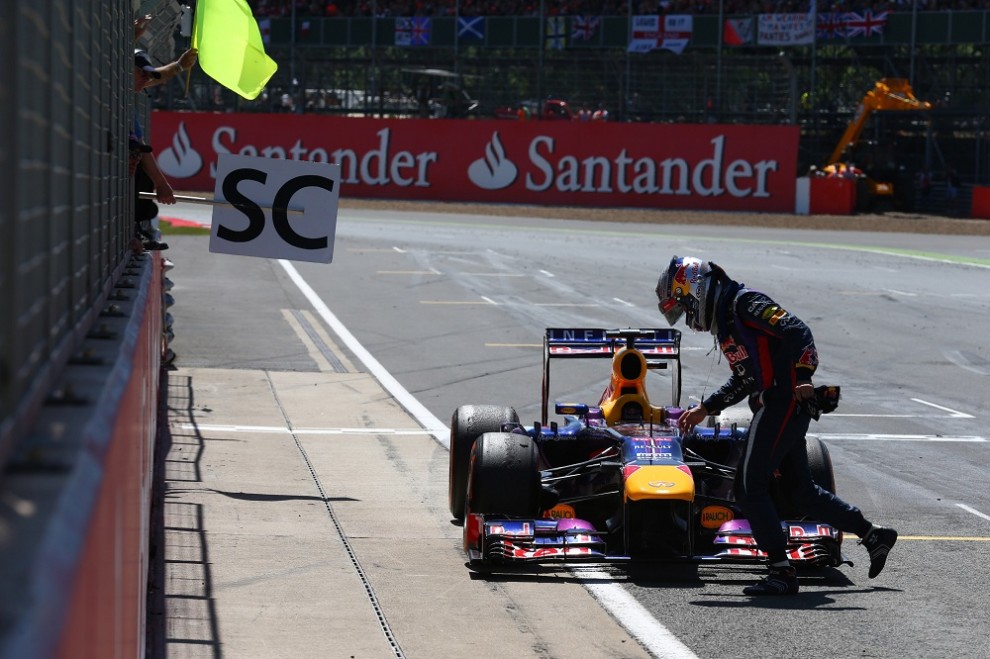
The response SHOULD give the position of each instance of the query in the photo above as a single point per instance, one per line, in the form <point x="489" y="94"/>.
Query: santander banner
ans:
<point x="555" y="163"/>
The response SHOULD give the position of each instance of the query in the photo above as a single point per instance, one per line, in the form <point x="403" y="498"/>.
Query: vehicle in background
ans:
<point x="551" y="109"/>
<point x="439" y="93"/>
<point x="889" y="94"/>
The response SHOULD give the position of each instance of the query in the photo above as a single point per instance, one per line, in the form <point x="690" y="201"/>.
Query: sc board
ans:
<point x="274" y="208"/>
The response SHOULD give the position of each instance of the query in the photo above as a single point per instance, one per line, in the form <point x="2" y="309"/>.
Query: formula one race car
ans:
<point x="617" y="481"/>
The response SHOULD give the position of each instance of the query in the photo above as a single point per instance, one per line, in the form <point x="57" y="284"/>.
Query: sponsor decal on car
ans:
<point x="712" y="517"/>
<point x="560" y="511"/>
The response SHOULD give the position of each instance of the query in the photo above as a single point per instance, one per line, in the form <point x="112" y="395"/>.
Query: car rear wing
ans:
<point x="661" y="347"/>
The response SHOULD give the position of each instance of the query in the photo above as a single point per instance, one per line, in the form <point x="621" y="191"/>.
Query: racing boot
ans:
<point x="878" y="541"/>
<point x="780" y="581"/>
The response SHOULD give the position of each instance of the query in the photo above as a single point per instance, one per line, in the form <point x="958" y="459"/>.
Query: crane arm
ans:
<point x="888" y="94"/>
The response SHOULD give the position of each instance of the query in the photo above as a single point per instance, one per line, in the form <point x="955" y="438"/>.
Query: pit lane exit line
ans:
<point x="285" y="430"/>
<point x="872" y="437"/>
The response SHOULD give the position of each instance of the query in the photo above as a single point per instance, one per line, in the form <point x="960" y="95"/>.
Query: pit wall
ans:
<point x="75" y="571"/>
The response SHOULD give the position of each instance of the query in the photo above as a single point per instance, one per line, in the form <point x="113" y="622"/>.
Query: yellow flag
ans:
<point x="230" y="47"/>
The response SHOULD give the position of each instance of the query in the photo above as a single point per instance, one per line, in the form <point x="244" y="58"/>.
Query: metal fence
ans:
<point x="352" y="66"/>
<point x="65" y="112"/>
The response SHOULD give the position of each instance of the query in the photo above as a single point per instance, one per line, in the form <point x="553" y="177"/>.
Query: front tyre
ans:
<point x="504" y="476"/>
<point x="467" y="424"/>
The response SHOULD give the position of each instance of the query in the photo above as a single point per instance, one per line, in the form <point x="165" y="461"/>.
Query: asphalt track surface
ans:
<point x="450" y="309"/>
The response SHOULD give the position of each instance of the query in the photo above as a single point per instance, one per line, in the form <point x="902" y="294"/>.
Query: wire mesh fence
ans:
<point x="65" y="112"/>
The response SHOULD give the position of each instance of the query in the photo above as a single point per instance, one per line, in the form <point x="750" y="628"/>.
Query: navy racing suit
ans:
<point x="770" y="351"/>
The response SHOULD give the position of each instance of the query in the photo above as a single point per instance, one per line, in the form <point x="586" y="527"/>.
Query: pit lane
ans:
<point x="450" y="306"/>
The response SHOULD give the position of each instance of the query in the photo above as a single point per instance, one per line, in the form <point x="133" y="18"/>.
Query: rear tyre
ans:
<point x="790" y="506"/>
<point x="467" y="424"/>
<point x="820" y="463"/>
<point x="504" y="477"/>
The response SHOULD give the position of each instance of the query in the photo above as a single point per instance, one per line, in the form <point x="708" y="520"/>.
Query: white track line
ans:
<point x="419" y="412"/>
<point x="284" y="430"/>
<point x="955" y="413"/>
<point x="869" y="437"/>
<point x="974" y="511"/>
<point x="659" y="640"/>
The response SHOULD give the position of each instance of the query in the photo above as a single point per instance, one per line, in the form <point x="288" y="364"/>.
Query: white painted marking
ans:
<point x="621" y="301"/>
<point x="399" y="250"/>
<point x="869" y="437"/>
<point x="974" y="511"/>
<point x="954" y="413"/>
<point x="492" y="274"/>
<point x="957" y="358"/>
<point x="563" y="304"/>
<point x="418" y="411"/>
<point x="431" y="271"/>
<point x="613" y="598"/>
<point x="485" y="300"/>
<point x="283" y="430"/>
<point x="636" y="620"/>
<point x="547" y="273"/>
<point x="489" y="300"/>
<point x="885" y="416"/>
<point x="897" y="292"/>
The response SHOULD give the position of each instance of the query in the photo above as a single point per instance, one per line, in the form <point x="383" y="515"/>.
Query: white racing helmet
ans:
<point x="689" y="287"/>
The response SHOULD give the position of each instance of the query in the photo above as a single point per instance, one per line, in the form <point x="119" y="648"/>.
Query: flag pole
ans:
<point x="218" y="202"/>
<point x="543" y="43"/>
<point x="718" y="57"/>
<point x="628" y="94"/>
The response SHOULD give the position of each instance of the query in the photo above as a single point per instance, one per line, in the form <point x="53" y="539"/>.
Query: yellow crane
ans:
<point x="888" y="94"/>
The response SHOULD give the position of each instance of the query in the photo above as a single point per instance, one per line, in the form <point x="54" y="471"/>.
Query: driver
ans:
<point x="773" y="358"/>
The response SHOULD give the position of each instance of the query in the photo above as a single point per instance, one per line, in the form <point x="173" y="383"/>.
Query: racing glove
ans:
<point x="825" y="400"/>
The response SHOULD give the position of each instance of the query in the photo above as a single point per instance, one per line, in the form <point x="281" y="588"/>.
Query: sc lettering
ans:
<point x="280" y="219"/>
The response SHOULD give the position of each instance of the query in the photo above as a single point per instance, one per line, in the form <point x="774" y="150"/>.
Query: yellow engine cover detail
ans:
<point x="628" y="407"/>
<point x="625" y="399"/>
<point x="659" y="482"/>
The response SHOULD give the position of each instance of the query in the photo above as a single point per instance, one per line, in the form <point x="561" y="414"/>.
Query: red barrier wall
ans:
<point x="832" y="196"/>
<point x="706" y="167"/>
<point x="106" y="612"/>
<point x="981" y="202"/>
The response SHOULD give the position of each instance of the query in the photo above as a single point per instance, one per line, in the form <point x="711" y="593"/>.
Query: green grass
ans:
<point x="168" y="230"/>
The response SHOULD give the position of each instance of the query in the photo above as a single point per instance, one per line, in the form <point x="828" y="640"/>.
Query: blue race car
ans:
<point x="617" y="480"/>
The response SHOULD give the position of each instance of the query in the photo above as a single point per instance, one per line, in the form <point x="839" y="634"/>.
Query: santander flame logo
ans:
<point x="180" y="160"/>
<point x="495" y="171"/>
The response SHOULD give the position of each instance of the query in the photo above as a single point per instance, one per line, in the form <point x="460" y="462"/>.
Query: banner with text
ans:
<point x="675" y="166"/>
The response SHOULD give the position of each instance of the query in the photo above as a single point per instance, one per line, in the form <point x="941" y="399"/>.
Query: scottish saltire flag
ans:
<point x="556" y="33"/>
<point x="865" y="24"/>
<point x="414" y="31"/>
<point x="471" y="28"/>
<point x="583" y="28"/>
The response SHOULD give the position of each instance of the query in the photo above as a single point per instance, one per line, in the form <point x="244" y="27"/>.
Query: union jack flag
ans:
<point x="831" y="25"/>
<point x="865" y="24"/>
<point x="583" y="28"/>
<point x="414" y="31"/>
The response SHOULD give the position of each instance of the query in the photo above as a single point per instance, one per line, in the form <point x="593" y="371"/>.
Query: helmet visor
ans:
<point x="671" y="309"/>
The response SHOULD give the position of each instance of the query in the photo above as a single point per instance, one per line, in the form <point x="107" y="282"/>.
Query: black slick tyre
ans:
<point x="467" y="424"/>
<point x="504" y="476"/>
<point x="820" y="463"/>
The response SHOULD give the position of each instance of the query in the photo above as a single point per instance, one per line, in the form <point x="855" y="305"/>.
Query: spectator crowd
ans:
<point x="385" y="8"/>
